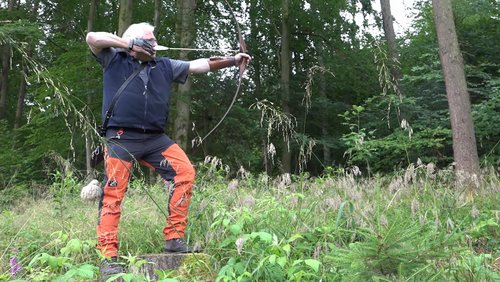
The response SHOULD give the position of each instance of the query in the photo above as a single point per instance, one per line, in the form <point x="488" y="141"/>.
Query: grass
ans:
<point x="414" y="225"/>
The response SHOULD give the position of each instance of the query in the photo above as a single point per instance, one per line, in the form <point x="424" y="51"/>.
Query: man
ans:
<point x="134" y="130"/>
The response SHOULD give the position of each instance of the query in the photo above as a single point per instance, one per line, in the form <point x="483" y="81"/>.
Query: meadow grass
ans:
<point x="415" y="225"/>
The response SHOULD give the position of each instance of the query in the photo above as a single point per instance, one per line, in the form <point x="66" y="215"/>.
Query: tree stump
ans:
<point x="166" y="262"/>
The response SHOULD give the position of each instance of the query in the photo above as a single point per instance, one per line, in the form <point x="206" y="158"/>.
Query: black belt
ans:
<point x="138" y="130"/>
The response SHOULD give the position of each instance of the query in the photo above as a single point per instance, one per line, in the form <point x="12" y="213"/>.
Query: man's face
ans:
<point x="150" y="37"/>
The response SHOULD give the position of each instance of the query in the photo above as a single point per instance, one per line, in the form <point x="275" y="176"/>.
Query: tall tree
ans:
<point x="286" y="156"/>
<point x="24" y="73"/>
<point x="390" y="37"/>
<point x="88" y="139"/>
<point x="157" y="16"/>
<point x="6" y="56"/>
<point x="21" y="94"/>
<point x="185" y="32"/>
<point x="464" y="140"/>
<point x="125" y="19"/>
<point x="324" y="125"/>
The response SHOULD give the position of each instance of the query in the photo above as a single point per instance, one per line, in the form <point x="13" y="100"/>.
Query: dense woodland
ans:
<point x="324" y="91"/>
<point x="382" y="121"/>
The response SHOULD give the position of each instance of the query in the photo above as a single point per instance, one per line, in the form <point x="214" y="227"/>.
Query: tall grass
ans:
<point x="415" y="225"/>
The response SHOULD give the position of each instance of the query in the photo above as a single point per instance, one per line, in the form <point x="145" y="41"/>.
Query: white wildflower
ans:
<point x="396" y="184"/>
<point x="356" y="171"/>
<point x="430" y="169"/>
<point x="449" y="224"/>
<point x="233" y="185"/>
<point x="384" y="221"/>
<point x="240" y="242"/>
<point x="474" y="212"/>
<point x="294" y="201"/>
<point x="410" y="174"/>
<point x="317" y="251"/>
<point x="422" y="220"/>
<point x="333" y="203"/>
<point x="285" y="180"/>
<point x="271" y="151"/>
<point x="243" y="173"/>
<point x="415" y="206"/>
<point x="248" y="201"/>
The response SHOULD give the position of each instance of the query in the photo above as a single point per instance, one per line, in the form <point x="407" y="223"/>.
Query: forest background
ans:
<point x="324" y="91"/>
<point x="370" y="130"/>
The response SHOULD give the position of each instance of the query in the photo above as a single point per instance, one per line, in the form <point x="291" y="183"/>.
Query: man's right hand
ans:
<point x="144" y="44"/>
<point x="142" y="49"/>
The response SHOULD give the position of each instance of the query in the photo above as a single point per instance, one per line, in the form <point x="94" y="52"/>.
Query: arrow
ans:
<point x="165" y="48"/>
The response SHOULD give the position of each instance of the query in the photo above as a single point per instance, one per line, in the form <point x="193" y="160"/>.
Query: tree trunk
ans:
<point x="185" y="32"/>
<point x="256" y="66"/>
<point x="21" y="95"/>
<point x="286" y="156"/>
<point x="464" y="140"/>
<point x="325" y="123"/>
<point x="24" y="74"/>
<point x="6" y="52"/>
<point x="125" y="19"/>
<point x="157" y="16"/>
<point x="88" y="138"/>
<point x="92" y="15"/>
<point x="390" y="37"/>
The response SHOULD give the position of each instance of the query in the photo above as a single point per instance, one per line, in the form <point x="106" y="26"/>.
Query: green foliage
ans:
<point x="401" y="248"/>
<point x="413" y="226"/>
<point x="63" y="100"/>
<point x="21" y="32"/>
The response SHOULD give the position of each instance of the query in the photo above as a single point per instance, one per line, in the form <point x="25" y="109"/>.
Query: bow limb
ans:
<point x="243" y="45"/>
<point x="242" y="66"/>
<point x="243" y="49"/>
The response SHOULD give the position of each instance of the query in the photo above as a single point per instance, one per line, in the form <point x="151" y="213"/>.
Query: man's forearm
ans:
<point x="212" y="64"/>
<point x="101" y="40"/>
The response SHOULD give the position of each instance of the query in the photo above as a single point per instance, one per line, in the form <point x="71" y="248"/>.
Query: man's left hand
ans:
<point x="242" y="58"/>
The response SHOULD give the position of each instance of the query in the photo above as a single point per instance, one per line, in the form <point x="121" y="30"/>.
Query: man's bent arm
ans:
<point x="98" y="41"/>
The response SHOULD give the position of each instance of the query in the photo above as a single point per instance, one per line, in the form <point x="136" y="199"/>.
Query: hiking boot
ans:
<point x="178" y="246"/>
<point x="110" y="267"/>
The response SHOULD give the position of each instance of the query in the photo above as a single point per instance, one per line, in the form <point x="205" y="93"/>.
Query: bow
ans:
<point x="243" y="65"/>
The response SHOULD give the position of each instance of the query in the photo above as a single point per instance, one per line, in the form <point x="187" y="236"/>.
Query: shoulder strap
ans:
<point x="109" y="112"/>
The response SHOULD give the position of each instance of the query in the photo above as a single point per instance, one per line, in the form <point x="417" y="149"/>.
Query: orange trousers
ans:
<point x="159" y="153"/>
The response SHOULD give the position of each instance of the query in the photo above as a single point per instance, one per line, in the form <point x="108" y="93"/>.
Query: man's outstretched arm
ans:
<point x="214" y="64"/>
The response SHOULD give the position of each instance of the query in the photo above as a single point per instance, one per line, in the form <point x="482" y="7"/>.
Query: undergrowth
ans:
<point x="416" y="225"/>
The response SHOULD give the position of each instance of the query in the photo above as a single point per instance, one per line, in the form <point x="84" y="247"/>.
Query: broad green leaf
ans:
<point x="287" y="249"/>
<point x="272" y="259"/>
<point x="235" y="229"/>
<point x="264" y="236"/>
<point x="295" y="237"/>
<point x="314" y="264"/>
<point x="281" y="261"/>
